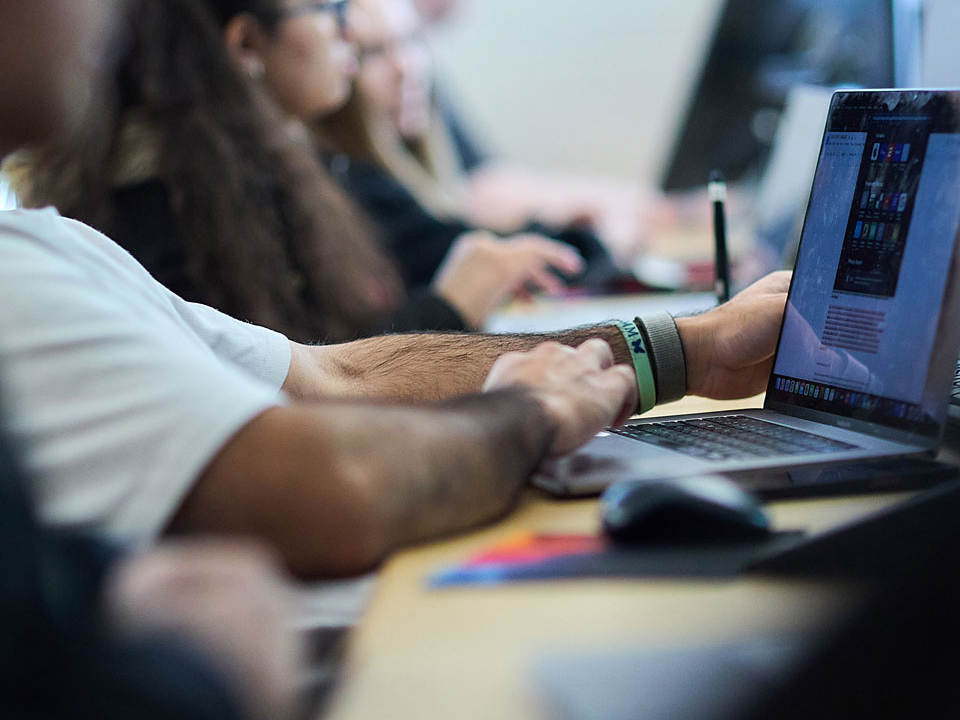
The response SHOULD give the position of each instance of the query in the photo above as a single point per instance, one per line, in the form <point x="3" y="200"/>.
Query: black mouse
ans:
<point x="692" y="510"/>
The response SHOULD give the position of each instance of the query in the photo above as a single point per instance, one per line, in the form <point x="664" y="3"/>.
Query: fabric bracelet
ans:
<point x="641" y="364"/>
<point x="669" y="365"/>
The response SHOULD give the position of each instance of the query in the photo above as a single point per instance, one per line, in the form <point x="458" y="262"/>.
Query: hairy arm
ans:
<point x="419" y="367"/>
<point x="728" y="352"/>
<point x="336" y="486"/>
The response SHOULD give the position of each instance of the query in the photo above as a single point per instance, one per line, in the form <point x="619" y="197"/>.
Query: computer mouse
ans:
<point x="691" y="510"/>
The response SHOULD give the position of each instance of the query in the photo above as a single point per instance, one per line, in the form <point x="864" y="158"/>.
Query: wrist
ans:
<point x="691" y="338"/>
<point x="533" y="419"/>
<point x="666" y="355"/>
<point x="642" y="362"/>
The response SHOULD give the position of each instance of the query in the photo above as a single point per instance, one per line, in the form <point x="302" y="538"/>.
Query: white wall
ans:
<point x="940" y="56"/>
<point x="585" y="85"/>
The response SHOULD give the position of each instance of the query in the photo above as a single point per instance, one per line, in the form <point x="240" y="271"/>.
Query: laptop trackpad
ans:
<point x="598" y="464"/>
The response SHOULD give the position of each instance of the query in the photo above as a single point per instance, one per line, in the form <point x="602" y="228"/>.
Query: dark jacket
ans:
<point x="58" y="660"/>
<point x="420" y="241"/>
<point x="144" y="224"/>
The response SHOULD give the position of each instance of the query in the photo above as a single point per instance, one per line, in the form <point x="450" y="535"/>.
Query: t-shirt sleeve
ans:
<point x="117" y="403"/>
<point x="258" y="351"/>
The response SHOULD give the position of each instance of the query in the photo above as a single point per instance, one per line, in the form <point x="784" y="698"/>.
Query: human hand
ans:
<point x="580" y="388"/>
<point x="228" y="598"/>
<point x="625" y="219"/>
<point x="730" y="349"/>
<point x="481" y="271"/>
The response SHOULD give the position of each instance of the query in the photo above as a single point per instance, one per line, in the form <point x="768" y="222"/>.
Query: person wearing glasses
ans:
<point x="408" y="140"/>
<point x="399" y="156"/>
<point x="197" y="164"/>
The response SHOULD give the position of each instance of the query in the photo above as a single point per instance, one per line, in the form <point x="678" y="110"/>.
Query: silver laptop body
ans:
<point x="865" y="358"/>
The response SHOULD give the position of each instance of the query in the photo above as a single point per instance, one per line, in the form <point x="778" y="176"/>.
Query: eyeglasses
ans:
<point x="337" y="7"/>
<point x="376" y="51"/>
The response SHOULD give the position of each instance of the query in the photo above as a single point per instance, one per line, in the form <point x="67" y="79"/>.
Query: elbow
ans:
<point x="351" y="554"/>
<point x="310" y="495"/>
<point x="350" y="537"/>
<point x="328" y="524"/>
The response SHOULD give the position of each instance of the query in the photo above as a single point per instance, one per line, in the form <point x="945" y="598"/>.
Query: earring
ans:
<point x="255" y="69"/>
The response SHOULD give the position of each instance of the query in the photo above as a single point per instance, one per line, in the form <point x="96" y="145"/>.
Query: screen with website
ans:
<point x="876" y="252"/>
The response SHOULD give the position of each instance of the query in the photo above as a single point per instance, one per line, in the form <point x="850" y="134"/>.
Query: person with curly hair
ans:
<point x="196" y="162"/>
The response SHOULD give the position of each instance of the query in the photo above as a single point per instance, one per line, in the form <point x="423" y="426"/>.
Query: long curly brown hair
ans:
<point x="267" y="233"/>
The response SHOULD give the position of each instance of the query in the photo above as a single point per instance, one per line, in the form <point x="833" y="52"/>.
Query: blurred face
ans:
<point x="308" y="64"/>
<point x="435" y="11"/>
<point x="395" y="69"/>
<point x="52" y="52"/>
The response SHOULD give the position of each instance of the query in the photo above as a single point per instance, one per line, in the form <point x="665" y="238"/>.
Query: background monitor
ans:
<point x="783" y="189"/>
<point x="760" y="50"/>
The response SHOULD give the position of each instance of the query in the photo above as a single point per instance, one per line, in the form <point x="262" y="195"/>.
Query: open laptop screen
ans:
<point x="866" y="334"/>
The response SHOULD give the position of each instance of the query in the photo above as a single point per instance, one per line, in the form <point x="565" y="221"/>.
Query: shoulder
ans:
<point x="119" y="392"/>
<point x="44" y="226"/>
<point x="44" y="242"/>
<point x="59" y="272"/>
<point x="47" y="230"/>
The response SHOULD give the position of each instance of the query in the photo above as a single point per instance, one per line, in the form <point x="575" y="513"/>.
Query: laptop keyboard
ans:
<point x="955" y="393"/>
<point x="730" y="437"/>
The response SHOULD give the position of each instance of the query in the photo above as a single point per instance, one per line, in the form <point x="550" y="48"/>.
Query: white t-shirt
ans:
<point x="118" y="392"/>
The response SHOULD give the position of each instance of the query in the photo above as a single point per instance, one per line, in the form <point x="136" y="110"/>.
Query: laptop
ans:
<point x="953" y="410"/>
<point x="865" y="358"/>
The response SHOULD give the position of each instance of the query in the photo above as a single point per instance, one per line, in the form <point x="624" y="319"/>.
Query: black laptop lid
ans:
<point x="870" y="336"/>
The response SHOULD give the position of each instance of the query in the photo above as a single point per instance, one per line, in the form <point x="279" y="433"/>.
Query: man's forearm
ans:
<point x="486" y="448"/>
<point x="420" y="368"/>
<point x="337" y="486"/>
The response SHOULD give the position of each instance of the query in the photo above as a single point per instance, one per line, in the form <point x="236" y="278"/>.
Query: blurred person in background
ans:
<point x="503" y="193"/>
<point x="198" y="165"/>
<point x="409" y="164"/>
<point x="435" y="12"/>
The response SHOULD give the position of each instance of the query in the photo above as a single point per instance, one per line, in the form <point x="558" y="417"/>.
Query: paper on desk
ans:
<point x="517" y="554"/>
<point x="553" y="557"/>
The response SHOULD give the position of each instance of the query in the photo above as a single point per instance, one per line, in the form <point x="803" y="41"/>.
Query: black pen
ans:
<point x="717" y="192"/>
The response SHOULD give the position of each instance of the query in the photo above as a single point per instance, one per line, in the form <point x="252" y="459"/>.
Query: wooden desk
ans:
<point x="460" y="654"/>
